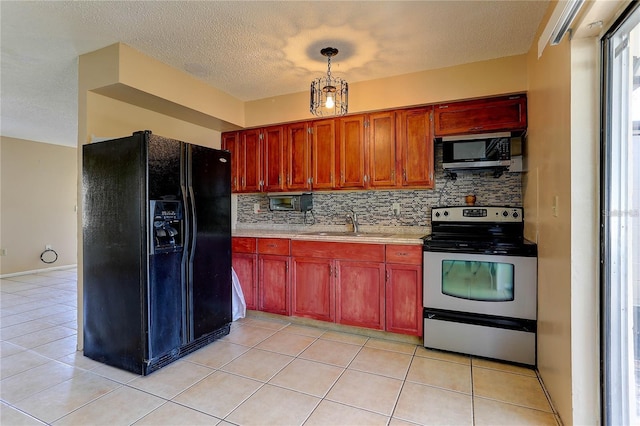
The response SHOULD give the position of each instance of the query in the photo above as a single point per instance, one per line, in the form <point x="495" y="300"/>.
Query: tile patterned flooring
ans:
<point x="264" y="372"/>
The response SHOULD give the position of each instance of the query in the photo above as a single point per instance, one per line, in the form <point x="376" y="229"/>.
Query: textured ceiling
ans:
<point x="249" y="49"/>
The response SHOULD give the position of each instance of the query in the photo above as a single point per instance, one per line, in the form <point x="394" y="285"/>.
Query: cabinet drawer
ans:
<point x="273" y="246"/>
<point x="340" y="251"/>
<point x="405" y="254"/>
<point x="243" y="245"/>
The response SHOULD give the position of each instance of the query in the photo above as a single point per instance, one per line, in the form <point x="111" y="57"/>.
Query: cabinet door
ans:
<point x="352" y="152"/>
<point x="246" y="267"/>
<point x="404" y="299"/>
<point x="382" y="150"/>
<point x="483" y="115"/>
<point x="323" y="153"/>
<point x="313" y="294"/>
<point x="273" y="158"/>
<point x="360" y="294"/>
<point x="416" y="148"/>
<point x="298" y="157"/>
<point x="274" y="284"/>
<point x="250" y="166"/>
<point x="230" y="142"/>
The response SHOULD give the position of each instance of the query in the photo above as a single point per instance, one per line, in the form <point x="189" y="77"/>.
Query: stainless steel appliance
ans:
<point x="480" y="284"/>
<point x="156" y="250"/>
<point x="482" y="151"/>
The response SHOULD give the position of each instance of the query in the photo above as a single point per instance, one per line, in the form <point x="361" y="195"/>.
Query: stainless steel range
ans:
<point x="480" y="284"/>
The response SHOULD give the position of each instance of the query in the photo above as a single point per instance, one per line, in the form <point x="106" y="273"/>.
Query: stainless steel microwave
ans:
<point x="298" y="202"/>
<point x="490" y="150"/>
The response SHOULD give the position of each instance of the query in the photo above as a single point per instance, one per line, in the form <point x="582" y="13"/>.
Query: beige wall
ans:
<point x="563" y="171"/>
<point x="107" y="117"/>
<point x="549" y="176"/>
<point x="496" y="76"/>
<point x="585" y="241"/>
<point x="38" y="199"/>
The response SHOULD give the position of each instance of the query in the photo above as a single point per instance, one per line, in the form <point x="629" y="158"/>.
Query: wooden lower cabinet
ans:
<point x="244" y="260"/>
<point x="360" y="294"/>
<point x="274" y="284"/>
<point x="404" y="299"/>
<point x="365" y="285"/>
<point x="403" y="289"/>
<point x="246" y="267"/>
<point x="313" y="289"/>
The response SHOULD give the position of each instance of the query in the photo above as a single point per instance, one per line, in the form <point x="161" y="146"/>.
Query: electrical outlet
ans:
<point x="256" y="208"/>
<point x="396" y="209"/>
<point x="3" y="252"/>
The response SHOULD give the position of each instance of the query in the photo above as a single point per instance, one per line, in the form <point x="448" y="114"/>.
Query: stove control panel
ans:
<point x="477" y="214"/>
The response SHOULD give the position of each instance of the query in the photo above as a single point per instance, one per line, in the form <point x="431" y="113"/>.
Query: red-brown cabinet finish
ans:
<point x="313" y="294"/>
<point x="298" y="157"/>
<point x="274" y="284"/>
<point x="415" y="141"/>
<point x="404" y="289"/>
<point x="505" y="113"/>
<point x="323" y="154"/>
<point x="231" y="142"/>
<point x="245" y="262"/>
<point x="246" y="267"/>
<point x="360" y="295"/>
<point x="274" y="276"/>
<point x="250" y="166"/>
<point x="273" y="159"/>
<point x="352" y="152"/>
<point x="382" y="150"/>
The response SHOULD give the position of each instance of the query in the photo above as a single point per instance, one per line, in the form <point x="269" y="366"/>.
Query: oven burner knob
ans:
<point x="515" y="215"/>
<point x="437" y="214"/>
<point x="446" y="213"/>
<point x="505" y="213"/>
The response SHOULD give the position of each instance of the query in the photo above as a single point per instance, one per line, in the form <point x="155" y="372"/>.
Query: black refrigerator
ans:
<point x="156" y="228"/>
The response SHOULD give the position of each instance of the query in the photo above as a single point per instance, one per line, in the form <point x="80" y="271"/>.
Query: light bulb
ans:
<point x="330" y="103"/>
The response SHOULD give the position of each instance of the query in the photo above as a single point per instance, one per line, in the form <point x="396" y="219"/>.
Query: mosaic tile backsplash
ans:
<point x="374" y="208"/>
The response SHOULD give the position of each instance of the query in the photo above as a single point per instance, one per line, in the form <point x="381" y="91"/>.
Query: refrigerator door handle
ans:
<point x="194" y="222"/>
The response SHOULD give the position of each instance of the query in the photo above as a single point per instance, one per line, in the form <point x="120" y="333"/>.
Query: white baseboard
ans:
<point x="38" y="271"/>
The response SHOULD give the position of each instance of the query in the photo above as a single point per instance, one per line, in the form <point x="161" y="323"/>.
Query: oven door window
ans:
<point x="474" y="280"/>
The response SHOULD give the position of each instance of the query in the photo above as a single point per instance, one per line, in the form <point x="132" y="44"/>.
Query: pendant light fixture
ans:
<point x="329" y="95"/>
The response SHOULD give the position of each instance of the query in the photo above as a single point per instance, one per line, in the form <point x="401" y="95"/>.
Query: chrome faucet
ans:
<point x="354" y="218"/>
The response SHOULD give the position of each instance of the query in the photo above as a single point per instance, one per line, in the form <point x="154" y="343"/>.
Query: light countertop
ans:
<point x="387" y="236"/>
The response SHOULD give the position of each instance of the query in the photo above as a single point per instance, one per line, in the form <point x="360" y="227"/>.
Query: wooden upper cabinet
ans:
<point x="352" y="152"/>
<point x="323" y="154"/>
<point x="379" y="150"/>
<point x="506" y="113"/>
<point x="298" y="157"/>
<point x="415" y="144"/>
<point x="382" y="150"/>
<point x="273" y="159"/>
<point x="257" y="159"/>
<point x="250" y="165"/>
<point x="230" y="142"/>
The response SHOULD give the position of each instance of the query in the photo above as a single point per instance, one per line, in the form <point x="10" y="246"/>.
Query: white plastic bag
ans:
<point x="238" y="305"/>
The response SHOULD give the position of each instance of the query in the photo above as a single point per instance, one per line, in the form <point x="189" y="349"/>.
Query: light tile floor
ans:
<point x="264" y="372"/>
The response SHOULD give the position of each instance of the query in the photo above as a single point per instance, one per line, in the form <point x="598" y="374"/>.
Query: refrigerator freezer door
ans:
<point x="165" y="292"/>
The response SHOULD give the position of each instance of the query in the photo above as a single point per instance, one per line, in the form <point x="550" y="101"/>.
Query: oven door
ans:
<point x="497" y="285"/>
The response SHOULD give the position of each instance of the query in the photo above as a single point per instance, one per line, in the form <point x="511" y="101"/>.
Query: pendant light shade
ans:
<point x="329" y="95"/>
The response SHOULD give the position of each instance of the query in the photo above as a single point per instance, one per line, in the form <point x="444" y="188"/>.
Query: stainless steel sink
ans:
<point x="348" y="234"/>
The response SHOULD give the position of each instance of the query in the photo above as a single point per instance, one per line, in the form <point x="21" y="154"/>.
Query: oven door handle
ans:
<point x="518" y="324"/>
